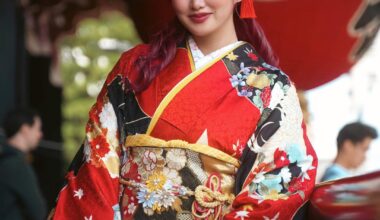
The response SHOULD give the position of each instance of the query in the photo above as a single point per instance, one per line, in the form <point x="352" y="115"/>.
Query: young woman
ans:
<point x="198" y="124"/>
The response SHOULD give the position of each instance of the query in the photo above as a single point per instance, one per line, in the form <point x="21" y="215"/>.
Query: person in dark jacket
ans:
<point x="20" y="196"/>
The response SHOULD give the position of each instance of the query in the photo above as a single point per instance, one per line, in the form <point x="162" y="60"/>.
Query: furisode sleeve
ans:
<point x="92" y="183"/>
<point x="281" y="175"/>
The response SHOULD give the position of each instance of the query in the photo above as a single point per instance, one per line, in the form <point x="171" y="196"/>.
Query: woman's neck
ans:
<point x="218" y="39"/>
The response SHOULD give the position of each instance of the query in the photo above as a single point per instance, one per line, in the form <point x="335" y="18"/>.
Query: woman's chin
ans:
<point x="201" y="32"/>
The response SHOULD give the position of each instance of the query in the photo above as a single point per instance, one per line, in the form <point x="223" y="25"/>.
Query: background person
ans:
<point x="353" y="142"/>
<point x="20" y="197"/>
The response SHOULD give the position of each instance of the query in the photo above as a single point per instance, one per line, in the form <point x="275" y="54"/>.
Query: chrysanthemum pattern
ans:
<point x="159" y="187"/>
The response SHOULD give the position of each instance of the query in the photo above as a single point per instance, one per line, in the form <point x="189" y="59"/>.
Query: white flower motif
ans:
<point x="148" y="211"/>
<point x="304" y="176"/>
<point x="285" y="174"/>
<point x="149" y="160"/>
<point x="241" y="214"/>
<point x="238" y="147"/>
<point x="88" y="218"/>
<point x="259" y="177"/>
<point x="154" y="158"/>
<point x="131" y="208"/>
<point x="172" y="175"/>
<point x="166" y="199"/>
<point x="176" y="159"/>
<point x="168" y="185"/>
<point x="78" y="193"/>
<point x="108" y="120"/>
<point x="306" y="163"/>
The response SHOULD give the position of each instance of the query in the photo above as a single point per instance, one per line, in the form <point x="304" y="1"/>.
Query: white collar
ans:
<point x="200" y="59"/>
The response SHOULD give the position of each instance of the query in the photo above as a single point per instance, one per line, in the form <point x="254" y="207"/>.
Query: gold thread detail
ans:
<point x="190" y="55"/>
<point x="144" y="140"/>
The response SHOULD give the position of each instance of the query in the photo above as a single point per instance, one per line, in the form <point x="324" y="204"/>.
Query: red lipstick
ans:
<point x="199" y="17"/>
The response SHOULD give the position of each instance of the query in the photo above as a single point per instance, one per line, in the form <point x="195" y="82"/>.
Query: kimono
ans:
<point x="224" y="141"/>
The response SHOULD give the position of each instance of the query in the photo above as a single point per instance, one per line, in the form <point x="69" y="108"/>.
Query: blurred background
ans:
<point x="56" y="54"/>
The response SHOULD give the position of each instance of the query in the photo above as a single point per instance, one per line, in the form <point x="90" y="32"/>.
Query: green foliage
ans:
<point x="85" y="59"/>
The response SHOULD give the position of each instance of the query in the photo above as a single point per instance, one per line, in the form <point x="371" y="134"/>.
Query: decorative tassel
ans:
<point x="247" y="10"/>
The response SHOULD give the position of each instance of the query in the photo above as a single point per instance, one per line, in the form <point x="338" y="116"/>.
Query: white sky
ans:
<point x="339" y="102"/>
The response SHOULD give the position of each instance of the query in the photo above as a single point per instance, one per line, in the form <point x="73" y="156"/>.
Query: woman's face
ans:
<point x="205" y="17"/>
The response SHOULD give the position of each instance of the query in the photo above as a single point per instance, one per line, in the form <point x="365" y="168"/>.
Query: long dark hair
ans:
<point x="163" y="47"/>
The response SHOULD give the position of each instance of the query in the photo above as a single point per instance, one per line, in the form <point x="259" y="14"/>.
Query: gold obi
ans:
<point x="190" y="181"/>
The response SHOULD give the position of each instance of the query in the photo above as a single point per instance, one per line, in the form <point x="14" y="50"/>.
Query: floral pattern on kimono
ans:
<point x="277" y="167"/>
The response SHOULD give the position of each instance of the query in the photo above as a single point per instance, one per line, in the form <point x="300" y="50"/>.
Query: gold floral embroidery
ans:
<point x="156" y="181"/>
<point x="231" y="56"/>
<point x="274" y="195"/>
<point x="159" y="187"/>
<point x="259" y="81"/>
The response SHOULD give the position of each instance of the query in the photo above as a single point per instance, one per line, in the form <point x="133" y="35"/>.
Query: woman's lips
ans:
<point x="200" y="17"/>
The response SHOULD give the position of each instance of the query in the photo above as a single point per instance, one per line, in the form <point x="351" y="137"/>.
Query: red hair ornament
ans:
<point x="247" y="10"/>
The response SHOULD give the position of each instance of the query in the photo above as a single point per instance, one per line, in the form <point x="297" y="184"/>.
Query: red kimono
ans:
<point x="225" y="141"/>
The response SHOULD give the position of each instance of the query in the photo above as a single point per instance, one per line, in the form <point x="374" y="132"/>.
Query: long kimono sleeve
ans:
<point x="281" y="175"/>
<point x="92" y="183"/>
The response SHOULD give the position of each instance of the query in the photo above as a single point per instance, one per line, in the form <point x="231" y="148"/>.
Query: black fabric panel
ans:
<point x="137" y="121"/>
<point x="130" y="117"/>
<point x="247" y="160"/>
<point x="77" y="161"/>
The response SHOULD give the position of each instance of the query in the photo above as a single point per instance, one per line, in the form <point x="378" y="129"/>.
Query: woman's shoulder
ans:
<point x="135" y="52"/>
<point x="250" y="61"/>
<point x="277" y="75"/>
<point x="125" y="64"/>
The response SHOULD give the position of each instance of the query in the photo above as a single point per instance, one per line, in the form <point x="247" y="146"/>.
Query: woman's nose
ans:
<point x="198" y="4"/>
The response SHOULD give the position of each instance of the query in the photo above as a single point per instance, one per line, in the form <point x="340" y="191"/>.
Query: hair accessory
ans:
<point x="247" y="10"/>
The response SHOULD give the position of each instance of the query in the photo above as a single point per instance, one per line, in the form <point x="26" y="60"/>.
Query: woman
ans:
<point x="177" y="134"/>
